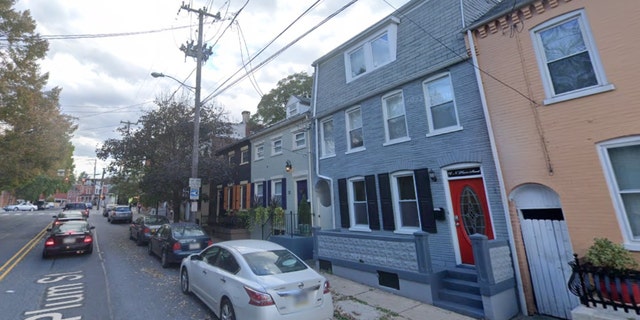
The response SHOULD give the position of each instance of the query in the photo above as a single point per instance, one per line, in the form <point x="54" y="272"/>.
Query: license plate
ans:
<point x="301" y="299"/>
<point x="194" y="246"/>
<point x="68" y="240"/>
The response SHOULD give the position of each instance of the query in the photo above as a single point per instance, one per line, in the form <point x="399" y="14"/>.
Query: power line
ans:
<point x="100" y="35"/>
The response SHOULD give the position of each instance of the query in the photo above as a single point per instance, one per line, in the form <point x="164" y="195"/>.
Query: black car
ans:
<point x="73" y="236"/>
<point x="174" y="241"/>
<point x="143" y="227"/>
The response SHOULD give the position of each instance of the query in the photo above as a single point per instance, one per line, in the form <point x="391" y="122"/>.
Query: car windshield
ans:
<point x="70" y="214"/>
<point x="156" y="220"/>
<point x="123" y="209"/>
<point x="70" y="227"/>
<point x="187" y="231"/>
<point x="265" y="263"/>
<point x="69" y="206"/>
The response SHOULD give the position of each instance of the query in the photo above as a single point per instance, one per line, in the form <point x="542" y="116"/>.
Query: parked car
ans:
<point x="41" y="204"/>
<point x="67" y="216"/>
<point x="120" y="213"/>
<point x="107" y="208"/>
<point x="89" y="205"/>
<point x="50" y="205"/>
<point x="256" y="279"/>
<point x="174" y="241"/>
<point x="21" y="206"/>
<point x="143" y="227"/>
<point x="69" y="237"/>
<point x="76" y="206"/>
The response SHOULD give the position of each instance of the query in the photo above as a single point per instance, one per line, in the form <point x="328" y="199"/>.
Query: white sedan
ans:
<point x="21" y="206"/>
<point x="256" y="279"/>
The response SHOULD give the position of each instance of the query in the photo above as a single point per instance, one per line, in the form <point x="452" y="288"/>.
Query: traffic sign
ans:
<point x="195" y="183"/>
<point x="194" y="194"/>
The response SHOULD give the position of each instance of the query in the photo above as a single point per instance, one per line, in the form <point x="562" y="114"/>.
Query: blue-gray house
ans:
<point x="406" y="186"/>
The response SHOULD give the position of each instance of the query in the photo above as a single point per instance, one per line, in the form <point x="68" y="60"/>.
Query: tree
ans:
<point x="271" y="108"/>
<point x="34" y="135"/>
<point x="158" y="155"/>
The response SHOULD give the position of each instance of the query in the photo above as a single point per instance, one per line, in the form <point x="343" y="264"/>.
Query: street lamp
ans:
<point x="196" y="131"/>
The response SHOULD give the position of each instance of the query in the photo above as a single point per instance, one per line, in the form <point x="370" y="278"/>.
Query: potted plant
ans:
<point x="613" y="260"/>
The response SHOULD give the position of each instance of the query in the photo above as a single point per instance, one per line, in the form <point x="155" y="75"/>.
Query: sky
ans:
<point x="103" y="53"/>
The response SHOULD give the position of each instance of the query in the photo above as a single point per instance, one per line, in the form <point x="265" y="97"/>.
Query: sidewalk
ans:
<point x="355" y="301"/>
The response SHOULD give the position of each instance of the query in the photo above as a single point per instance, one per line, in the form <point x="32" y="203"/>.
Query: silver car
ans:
<point x="256" y="279"/>
<point x="120" y="213"/>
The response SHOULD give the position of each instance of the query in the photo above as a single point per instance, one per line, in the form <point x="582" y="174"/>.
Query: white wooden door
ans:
<point x="548" y="253"/>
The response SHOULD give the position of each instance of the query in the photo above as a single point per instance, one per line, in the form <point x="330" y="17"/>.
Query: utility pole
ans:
<point x="128" y="123"/>
<point x="201" y="52"/>
<point x="101" y="188"/>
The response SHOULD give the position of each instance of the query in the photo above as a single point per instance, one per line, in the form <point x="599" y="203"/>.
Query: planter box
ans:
<point x="224" y="233"/>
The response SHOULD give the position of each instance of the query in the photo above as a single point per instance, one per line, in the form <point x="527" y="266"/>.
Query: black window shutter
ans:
<point x="267" y="199"/>
<point x="344" y="203"/>
<point x="252" y="202"/>
<point x="284" y="194"/>
<point x="386" y="205"/>
<point x="372" y="202"/>
<point x="425" y="201"/>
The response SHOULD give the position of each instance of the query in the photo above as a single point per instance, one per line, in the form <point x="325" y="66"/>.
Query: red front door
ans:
<point x="471" y="213"/>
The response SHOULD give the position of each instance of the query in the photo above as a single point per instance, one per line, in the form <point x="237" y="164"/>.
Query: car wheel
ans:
<point x="149" y="249"/>
<point x="31" y="209"/>
<point x="15" y="209"/>
<point x="131" y="235"/>
<point x="45" y="255"/>
<point x="184" y="281"/>
<point x="139" y="239"/>
<point x="164" y="259"/>
<point x="226" y="310"/>
<point x="90" y="251"/>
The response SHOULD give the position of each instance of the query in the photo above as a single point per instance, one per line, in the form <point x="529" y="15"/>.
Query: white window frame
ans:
<point x="430" y="106"/>
<point x="388" y="140"/>
<point x="630" y="242"/>
<point x="324" y="152"/>
<point x="299" y="143"/>
<point x="230" y="157"/>
<point x="258" y="192"/>
<point x="276" y="146"/>
<point x="276" y="191"/>
<point x="390" y="31"/>
<point x="259" y="151"/>
<point x="352" y="201"/>
<point x="243" y="195"/>
<point x="244" y="155"/>
<point x="348" y="127"/>
<point x="395" y="196"/>
<point x="602" y="83"/>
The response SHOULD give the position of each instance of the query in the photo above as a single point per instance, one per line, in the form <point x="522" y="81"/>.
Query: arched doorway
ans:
<point x="548" y="248"/>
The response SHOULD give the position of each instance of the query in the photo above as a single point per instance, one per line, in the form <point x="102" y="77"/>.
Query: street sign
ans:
<point x="194" y="194"/>
<point x="194" y="183"/>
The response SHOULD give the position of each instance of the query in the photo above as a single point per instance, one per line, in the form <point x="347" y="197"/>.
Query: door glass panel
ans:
<point x="471" y="211"/>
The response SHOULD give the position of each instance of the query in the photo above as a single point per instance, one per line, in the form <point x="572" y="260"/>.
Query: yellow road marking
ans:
<point x="11" y="263"/>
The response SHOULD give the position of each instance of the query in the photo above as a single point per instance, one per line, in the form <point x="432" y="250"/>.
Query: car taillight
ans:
<point x="88" y="239"/>
<point x="327" y="287"/>
<point x="49" y="242"/>
<point x="258" y="298"/>
<point x="146" y="230"/>
<point x="209" y="243"/>
<point x="176" y="246"/>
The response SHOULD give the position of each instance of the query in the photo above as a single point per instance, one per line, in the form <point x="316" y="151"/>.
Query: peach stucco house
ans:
<point x="560" y="79"/>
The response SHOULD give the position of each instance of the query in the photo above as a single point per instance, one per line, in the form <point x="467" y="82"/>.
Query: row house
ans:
<point x="404" y="168"/>
<point x="559" y="78"/>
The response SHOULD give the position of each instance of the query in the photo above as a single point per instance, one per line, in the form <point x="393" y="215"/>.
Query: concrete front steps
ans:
<point x="459" y="292"/>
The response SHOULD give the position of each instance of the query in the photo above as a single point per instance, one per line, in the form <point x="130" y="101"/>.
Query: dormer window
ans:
<point x="372" y="53"/>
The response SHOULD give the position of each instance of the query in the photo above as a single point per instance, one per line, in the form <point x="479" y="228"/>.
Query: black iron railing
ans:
<point x="597" y="286"/>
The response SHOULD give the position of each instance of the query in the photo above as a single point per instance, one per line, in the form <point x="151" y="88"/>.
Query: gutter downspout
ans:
<point x="494" y="151"/>
<point x="317" y="143"/>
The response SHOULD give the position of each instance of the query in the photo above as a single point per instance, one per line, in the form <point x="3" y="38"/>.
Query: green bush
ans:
<point x="608" y="255"/>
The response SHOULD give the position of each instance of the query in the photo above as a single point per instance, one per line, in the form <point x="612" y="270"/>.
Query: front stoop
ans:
<point x="460" y="292"/>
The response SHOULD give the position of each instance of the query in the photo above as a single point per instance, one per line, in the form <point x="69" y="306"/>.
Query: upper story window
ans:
<point x="374" y="52"/>
<point x="405" y="202"/>
<point x="327" y="142"/>
<point x="276" y="146"/>
<point x="230" y="157"/>
<point x="259" y="151"/>
<point x="395" y="123"/>
<point x="442" y="113"/>
<point x="622" y="170"/>
<point x="568" y="58"/>
<point x="244" y="155"/>
<point x="299" y="140"/>
<point x="354" y="129"/>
